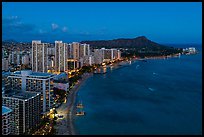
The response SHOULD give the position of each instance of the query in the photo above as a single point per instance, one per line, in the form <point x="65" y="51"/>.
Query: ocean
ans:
<point x="162" y="96"/>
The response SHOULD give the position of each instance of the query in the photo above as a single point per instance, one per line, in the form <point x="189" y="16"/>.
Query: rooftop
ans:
<point x="31" y="73"/>
<point x="20" y="94"/>
<point x="4" y="74"/>
<point x="5" y="110"/>
<point x="41" y="74"/>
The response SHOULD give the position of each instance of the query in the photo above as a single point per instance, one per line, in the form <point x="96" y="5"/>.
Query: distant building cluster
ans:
<point x="30" y="74"/>
<point x="190" y="50"/>
<point x="64" y="57"/>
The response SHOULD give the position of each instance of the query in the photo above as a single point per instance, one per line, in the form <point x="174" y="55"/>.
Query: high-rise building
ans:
<point x="72" y="64"/>
<point x="5" y="64"/>
<point x="14" y="57"/>
<point x="10" y="58"/>
<point x="18" y="59"/>
<point x="51" y="51"/>
<point x="98" y="56"/>
<point x="26" y="80"/>
<point x="73" y="55"/>
<point x="6" y="121"/>
<point x="51" y="61"/>
<point x="84" y="50"/>
<point x="115" y="54"/>
<point x="119" y="54"/>
<point x="2" y="53"/>
<point x="107" y="55"/>
<point x="84" y="53"/>
<point x="25" y="115"/>
<point x="75" y="50"/>
<point x="30" y="58"/>
<point x="39" y="56"/>
<point x="70" y="53"/>
<point x="61" y="56"/>
<point x="25" y="59"/>
<point x="88" y="60"/>
<point x="5" y="84"/>
<point x="110" y="54"/>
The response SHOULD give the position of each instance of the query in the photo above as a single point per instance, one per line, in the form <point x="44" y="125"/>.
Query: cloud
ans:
<point x="54" y="26"/>
<point x="42" y="31"/>
<point x="13" y="24"/>
<point x="14" y="27"/>
<point x="11" y="20"/>
<point x="13" y="17"/>
<point x="64" y="29"/>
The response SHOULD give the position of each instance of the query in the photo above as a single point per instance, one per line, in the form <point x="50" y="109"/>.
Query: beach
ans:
<point x="65" y="126"/>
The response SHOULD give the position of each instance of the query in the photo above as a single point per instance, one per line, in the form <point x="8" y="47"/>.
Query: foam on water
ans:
<point x="151" y="89"/>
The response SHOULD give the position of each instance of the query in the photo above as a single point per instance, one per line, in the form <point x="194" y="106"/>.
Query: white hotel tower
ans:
<point x="39" y="56"/>
<point x="61" y="56"/>
<point x="27" y="80"/>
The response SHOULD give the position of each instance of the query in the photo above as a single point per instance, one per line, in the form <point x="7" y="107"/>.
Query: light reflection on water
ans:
<point x="158" y="97"/>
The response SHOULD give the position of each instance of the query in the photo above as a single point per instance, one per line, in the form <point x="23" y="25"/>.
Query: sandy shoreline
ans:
<point x="66" y="125"/>
<point x="74" y="91"/>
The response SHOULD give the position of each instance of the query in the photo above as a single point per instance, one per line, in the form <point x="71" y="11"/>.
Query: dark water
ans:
<point x="153" y="97"/>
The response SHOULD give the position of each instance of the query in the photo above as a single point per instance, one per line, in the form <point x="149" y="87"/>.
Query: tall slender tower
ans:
<point x="75" y="50"/>
<point x="84" y="50"/>
<point x="61" y="56"/>
<point x="39" y="56"/>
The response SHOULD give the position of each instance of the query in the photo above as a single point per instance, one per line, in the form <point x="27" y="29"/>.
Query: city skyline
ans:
<point x="135" y="66"/>
<point x="167" y="22"/>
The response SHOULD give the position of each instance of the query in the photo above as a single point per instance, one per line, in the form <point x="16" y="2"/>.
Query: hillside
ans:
<point x="137" y="46"/>
<point x="138" y="42"/>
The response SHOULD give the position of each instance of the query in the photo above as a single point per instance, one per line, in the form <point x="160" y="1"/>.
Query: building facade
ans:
<point x="75" y="50"/>
<point x="25" y="59"/>
<point x="51" y="51"/>
<point x="74" y="55"/>
<point x="39" y="56"/>
<point x="25" y="116"/>
<point x="88" y="60"/>
<point x="108" y="55"/>
<point x="61" y="56"/>
<point x="6" y="121"/>
<point x="5" y="84"/>
<point x="5" y="64"/>
<point x="84" y="50"/>
<point x="98" y="56"/>
<point x="119" y="54"/>
<point x="26" y="80"/>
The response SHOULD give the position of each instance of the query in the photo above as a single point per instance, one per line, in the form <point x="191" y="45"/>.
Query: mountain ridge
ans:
<point x="137" y="42"/>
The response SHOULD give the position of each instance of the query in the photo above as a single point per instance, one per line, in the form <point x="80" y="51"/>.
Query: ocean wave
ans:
<point x="151" y="89"/>
<point x="137" y="66"/>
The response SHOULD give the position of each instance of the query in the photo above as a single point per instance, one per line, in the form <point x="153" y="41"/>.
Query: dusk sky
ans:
<point x="165" y="22"/>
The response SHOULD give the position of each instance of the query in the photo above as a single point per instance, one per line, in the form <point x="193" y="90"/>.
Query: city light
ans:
<point x="42" y="78"/>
